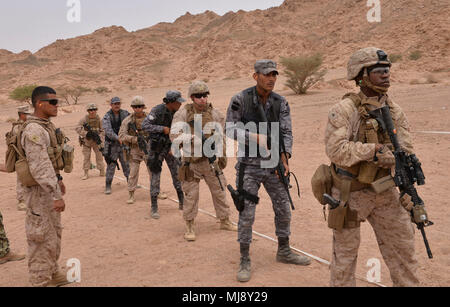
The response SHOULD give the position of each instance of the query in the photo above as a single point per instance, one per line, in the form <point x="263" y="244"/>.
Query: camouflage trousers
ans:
<point x="4" y="243"/>
<point x="116" y="154"/>
<point x="43" y="230"/>
<point x="253" y="177"/>
<point x="87" y="157"/>
<point x="136" y="157"/>
<point x="19" y="191"/>
<point x="395" y="237"/>
<point x="155" y="182"/>
<point x="191" y="188"/>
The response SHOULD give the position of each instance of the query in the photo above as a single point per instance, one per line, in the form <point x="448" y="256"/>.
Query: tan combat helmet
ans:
<point x="91" y="107"/>
<point x="198" y="87"/>
<point x="23" y="110"/>
<point x="137" y="101"/>
<point x="364" y="58"/>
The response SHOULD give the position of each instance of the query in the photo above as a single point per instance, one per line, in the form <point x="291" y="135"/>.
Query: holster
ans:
<point x="343" y="217"/>
<point x="185" y="173"/>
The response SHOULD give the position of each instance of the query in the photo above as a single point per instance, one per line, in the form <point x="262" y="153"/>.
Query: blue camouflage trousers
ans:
<point x="155" y="182"/>
<point x="254" y="176"/>
<point x="4" y="243"/>
<point x="116" y="154"/>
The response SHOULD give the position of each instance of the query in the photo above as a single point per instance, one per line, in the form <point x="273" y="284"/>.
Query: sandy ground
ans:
<point x="120" y="245"/>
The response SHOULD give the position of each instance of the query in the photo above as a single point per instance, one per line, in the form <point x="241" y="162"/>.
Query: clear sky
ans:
<point x="33" y="24"/>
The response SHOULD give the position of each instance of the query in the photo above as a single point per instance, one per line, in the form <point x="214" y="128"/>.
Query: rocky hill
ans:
<point x="212" y="47"/>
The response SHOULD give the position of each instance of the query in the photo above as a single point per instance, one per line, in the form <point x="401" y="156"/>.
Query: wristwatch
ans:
<point x="60" y="178"/>
<point x="375" y="158"/>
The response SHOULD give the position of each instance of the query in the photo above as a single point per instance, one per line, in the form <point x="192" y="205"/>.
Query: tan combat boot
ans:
<point x="21" y="206"/>
<point x="225" y="224"/>
<point x="58" y="279"/>
<point x="102" y="173"/>
<point x="86" y="175"/>
<point x="162" y="196"/>
<point x="131" y="199"/>
<point x="190" y="234"/>
<point x="11" y="256"/>
<point x="285" y="254"/>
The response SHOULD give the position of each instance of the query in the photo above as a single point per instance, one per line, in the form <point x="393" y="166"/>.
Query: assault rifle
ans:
<point x="280" y="167"/>
<point x="160" y="147"/>
<point x="212" y="160"/>
<point x="408" y="171"/>
<point x="92" y="135"/>
<point x="141" y="140"/>
<point x="107" y="154"/>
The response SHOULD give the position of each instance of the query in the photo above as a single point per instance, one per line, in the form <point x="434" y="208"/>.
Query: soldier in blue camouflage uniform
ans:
<point x="244" y="109"/>
<point x="158" y="124"/>
<point x="6" y="254"/>
<point x="113" y="150"/>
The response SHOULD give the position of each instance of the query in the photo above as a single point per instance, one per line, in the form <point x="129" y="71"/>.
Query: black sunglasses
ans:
<point x="138" y="107"/>
<point x="53" y="102"/>
<point x="203" y="95"/>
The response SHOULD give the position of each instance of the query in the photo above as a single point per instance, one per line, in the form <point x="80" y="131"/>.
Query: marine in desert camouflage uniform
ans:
<point x="45" y="199"/>
<point x="6" y="254"/>
<point x="88" y="144"/>
<point x="361" y="154"/>
<point x="129" y="137"/>
<point x="194" y="168"/>
<point x="244" y="108"/>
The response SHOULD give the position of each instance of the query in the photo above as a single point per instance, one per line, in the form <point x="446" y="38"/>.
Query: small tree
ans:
<point x="303" y="72"/>
<point x="72" y="93"/>
<point x="23" y="93"/>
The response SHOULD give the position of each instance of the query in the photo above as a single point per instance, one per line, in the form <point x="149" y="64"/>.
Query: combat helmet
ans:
<point x="91" y="106"/>
<point x="364" y="58"/>
<point x="198" y="87"/>
<point x="137" y="101"/>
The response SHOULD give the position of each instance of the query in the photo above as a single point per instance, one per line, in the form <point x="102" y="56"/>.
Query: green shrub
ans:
<point x="23" y="93"/>
<point x="395" y="57"/>
<point x="415" y="55"/>
<point x="303" y="72"/>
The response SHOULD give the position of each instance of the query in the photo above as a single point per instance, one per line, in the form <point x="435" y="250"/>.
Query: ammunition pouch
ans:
<point x="11" y="152"/>
<point x="24" y="174"/>
<point x="322" y="182"/>
<point x="68" y="155"/>
<point x="185" y="173"/>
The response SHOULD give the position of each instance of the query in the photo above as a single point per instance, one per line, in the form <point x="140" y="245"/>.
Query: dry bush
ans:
<point x="432" y="79"/>
<point x="303" y="72"/>
<point x="415" y="55"/>
<point x="395" y="57"/>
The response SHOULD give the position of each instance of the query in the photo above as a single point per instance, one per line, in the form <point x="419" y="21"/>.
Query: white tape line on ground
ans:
<point x="432" y="132"/>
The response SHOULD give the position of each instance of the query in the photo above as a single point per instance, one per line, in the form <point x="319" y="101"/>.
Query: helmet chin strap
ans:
<point x="367" y="83"/>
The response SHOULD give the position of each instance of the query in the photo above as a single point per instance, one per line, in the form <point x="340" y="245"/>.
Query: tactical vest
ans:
<point x="115" y="124"/>
<point x="206" y="118"/>
<point x="57" y="139"/>
<point x="251" y="114"/>
<point x="163" y="117"/>
<point x="94" y="123"/>
<point x="365" y="172"/>
<point x="138" y="122"/>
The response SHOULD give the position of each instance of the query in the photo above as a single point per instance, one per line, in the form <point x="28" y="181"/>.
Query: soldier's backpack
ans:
<point x="11" y="151"/>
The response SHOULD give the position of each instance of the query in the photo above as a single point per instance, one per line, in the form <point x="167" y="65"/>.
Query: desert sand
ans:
<point x="120" y="245"/>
